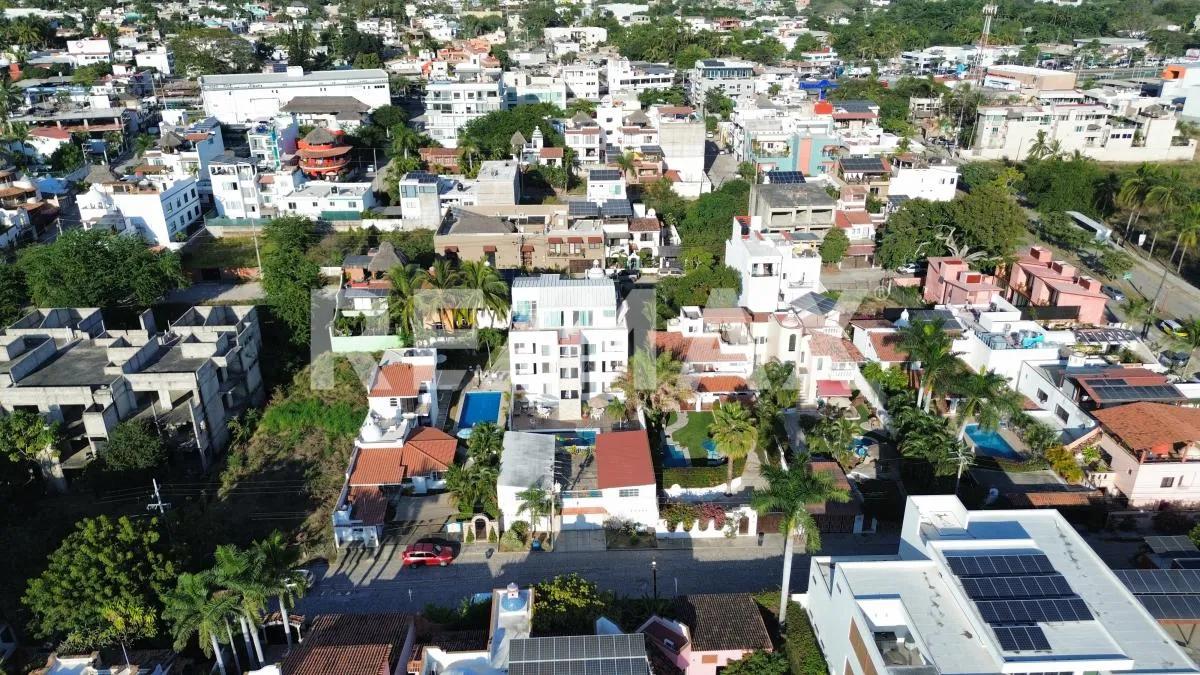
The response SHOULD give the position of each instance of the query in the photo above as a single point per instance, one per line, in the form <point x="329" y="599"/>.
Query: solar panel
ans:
<point x="1175" y="544"/>
<point x="1161" y="582"/>
<point x="579" y="655"/>
<point x="856" y="106"/>
<point x="1000" y="565"/>
<point x="999" y="588"/>
<point x="784" y="177"/>
<point x="861" y="164"/>
<point x="1033" y="610"/>
<point x="1186" y="563"/>
<point x="1172" y="607"/>
<point x="583" y="208"/>
<point x="616" y="208"/>
<point x="1021" y="638"/>
<point x="604" y="174"/>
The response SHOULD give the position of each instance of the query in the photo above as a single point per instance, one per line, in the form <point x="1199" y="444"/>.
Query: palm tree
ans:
<point x="654" y="383"/>
<point x="617" y="410"/>
<point x="1187" y="231"/>
<point x="485" y="444"/>
<point x="472" y="486"/>
<point x="1140" y="310"/>
<point x="929" y="348"/>
<point x="439" y="279"/>
<point x="985" y="397"/>
<point x="1170" y="194"/>
<point x="407" y="282"/>
<point x="488" y="290"/>
<point x="1135" y="189"/>
<point x="1039" y="149"/>
<point x="239" y="573"/>
<point x="11" y="98"/>
<point x="625" y="162"/>
<point x="18" y="133"/>
<point x="279" y="574"/>
<point x="789" y="492"/>
<point x="536" y="502"/>
<point x="468" y="149"/>
<point x="733" y="433"/>
<point x="193" y="609"/>
<point x="1192" y="341"/>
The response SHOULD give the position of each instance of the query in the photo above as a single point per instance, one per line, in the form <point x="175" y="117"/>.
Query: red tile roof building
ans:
<point x="352" y="644"/>
<point x="623" y="460"/>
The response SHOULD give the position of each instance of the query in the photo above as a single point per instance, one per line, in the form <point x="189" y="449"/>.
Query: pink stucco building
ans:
<point x="949" y="281"/>
<point x="1038" y="279"/>
<point x="712" y="631"/>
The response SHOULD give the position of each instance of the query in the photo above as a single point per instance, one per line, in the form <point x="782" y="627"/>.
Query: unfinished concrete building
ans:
<point x="188" y="381"/>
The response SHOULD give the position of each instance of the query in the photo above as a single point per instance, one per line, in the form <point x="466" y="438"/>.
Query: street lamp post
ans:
<point x="654" y="575"/>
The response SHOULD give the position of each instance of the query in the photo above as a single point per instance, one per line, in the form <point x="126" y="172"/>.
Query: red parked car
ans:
<point x="427" y="554"/>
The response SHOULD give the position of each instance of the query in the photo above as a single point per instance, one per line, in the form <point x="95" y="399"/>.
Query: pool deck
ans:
<point x="1008" y="437"/>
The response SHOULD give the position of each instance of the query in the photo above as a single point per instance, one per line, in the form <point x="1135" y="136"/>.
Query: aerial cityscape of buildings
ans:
<point x="486" y="337"/>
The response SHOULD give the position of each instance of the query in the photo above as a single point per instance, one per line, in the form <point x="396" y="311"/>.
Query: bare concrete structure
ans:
<point x="188" y="381"/>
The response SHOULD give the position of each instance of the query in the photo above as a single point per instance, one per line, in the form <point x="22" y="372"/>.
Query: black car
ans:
<point x="1172" y="359"/>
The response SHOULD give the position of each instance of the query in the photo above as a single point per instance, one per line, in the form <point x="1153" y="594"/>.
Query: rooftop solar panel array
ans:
<point x="784" y="177"/>
<point x="604" y="174"/>
<point x="856" y="106"/>
<point x="1021" y="638"/>
<point x="1175" y="544"/>
<point x="1172" y="607"/>
<point x="1000" y="588"/>
<point x="860" y="164"/>
<point x="1000" y="565"/>
<point x="579" y="655"/>
<point x="1160" y="582"/>
<point x="580" y="207"/>
<point x="1001" y="612"/>
<point x="1154" y="392"/>
<point x="616" y="208"/>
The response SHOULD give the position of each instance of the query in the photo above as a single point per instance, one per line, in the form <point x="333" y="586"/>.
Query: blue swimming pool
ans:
<point x="675" y="456"/>
<point x="478" y="406"/>
<point x="579" y="438"/>
<point x="991" y="443"/>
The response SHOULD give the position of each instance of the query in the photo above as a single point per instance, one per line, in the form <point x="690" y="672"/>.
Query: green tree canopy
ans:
<point x="96" y="268"/>
<point x="759" y="663"/>
<point x="288" y="275"/>
<point x="13" y="294"/>
<point x="132" y="446"/>
<point x="212" y="51"/>
<point x="709" y="219"/>
<point x="491" y="135"/>
<point x="834" y="246"/>
<point x="567" y="605"/>
<point x="102" y="563"/>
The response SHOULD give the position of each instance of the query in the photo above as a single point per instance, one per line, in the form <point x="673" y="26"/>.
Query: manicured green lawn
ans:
<point x="694" y="433"/>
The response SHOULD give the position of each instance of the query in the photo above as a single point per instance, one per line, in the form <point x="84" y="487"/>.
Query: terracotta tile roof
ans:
<point x="860" y="249"/>
<point x="584" y="511"/>
<point x="51" y="132"/>
<point x="887" y="347"/>
<point x="425" y="451"/>
<point x="721" y="384"/>
<point x="1053" y="499"/>
<point x="1151" y="426"/>
<point x="644" y="225"/>
<point x="721" y="622"/>
<point x="350" y="644"/>
<point x="726" y="314"/>
<point x="623" y="459"/>
<point x="697" y="349"/>
<point x="848" y="219"/>
<point x="400" y="380"/>
<point x="368" y="505"/>
<point x="838" y="349"/>
<point x="555" y="153"/>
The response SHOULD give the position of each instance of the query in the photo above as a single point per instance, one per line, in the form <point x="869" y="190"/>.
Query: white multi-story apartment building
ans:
<point x="450" y="104"/>
<point x="734" y="78"/>
<point x="159" y="208"/>
<point x="918" y="179"/>
<point x="681" y="137"/>
<point x="582" y="80"/>
<point x="588" y="37"/>
<point x="624" y="75"/>
<point x="1148" y="134"/>
<point x="568" y="340"/>
<point x="994" y="591"/>
<point x="160" y="58"/>
<point x="320" y="199"/>
<point x="247" y="97"/>
<point x="776" y="265"/>
<point x="185" y="152"/>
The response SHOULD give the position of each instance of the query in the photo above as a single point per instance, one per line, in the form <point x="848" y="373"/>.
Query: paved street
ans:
<point x="365" y="584"/>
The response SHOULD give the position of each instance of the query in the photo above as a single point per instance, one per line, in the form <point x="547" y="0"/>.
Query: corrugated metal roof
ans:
<point x="555" y="291"/>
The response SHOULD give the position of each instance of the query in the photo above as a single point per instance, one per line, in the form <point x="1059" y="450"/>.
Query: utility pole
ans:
<point x="1158" y="294"/>
<point x="158" y="504"/>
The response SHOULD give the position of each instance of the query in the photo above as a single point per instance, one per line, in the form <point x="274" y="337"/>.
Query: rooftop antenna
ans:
<point x="989" y="13"/>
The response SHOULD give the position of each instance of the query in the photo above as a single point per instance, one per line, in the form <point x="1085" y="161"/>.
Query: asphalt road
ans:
<point x="363" y="584"/>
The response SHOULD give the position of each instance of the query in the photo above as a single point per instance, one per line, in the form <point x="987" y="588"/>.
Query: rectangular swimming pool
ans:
<point x="992" y="444"/>
<point x="479" y="406"/>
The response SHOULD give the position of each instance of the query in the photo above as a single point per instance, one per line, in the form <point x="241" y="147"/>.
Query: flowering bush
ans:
<point x="680" y="513"/>
<point x="713" y="512"/>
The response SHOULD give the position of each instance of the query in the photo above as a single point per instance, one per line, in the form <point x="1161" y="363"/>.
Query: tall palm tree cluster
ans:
<point x="1166" y="194"/>
<point x="453" y="296"/>
<point x="233" y="596"/>
<point x="653" y="382"/>
<point x="472" y="485"/>
<point x="834" y="436"/>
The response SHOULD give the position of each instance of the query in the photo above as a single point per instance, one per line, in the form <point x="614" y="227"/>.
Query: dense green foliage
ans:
<point x="834" y="246"/>
<point x="1067" y="184"/>
<point x="96" y="268"/>
<point x="104" y="561"/>
<point x="708" y="220"/>
<point x="803" y="651"/>
<point x="288" y="276"/>
<point x="987" y="220"/>
<point x="491" y="135"/>
<point x="705" y="286"/>
<point x="133" y="445"/>
<point x="212" y="51"/>
<point x="13" y="294"/>
<point x="567" y="605"/>
<point x="758" y="663"/>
